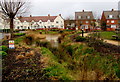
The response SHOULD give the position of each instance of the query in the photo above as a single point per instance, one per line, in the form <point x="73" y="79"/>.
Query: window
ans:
<point x="86" y="26"/>
<point x="112" y="21"/>
<point x="113" y="26"/>
<point x="18" y="27"/>
<point x="88" y="17"/>
<point x="73" y="24"/>
<point x="52" y="25"/>
<point x="86" y="21"/>
<point x="48" y="26"/>
<point x="110" y="16"/>
<point x="56" y="21"/>
<point x="118" y="16"/>
<point x="61" y="26"/>
<point x="80" y="21"/>
<point x="40" y="22"/>
<point x="79" y="17"/>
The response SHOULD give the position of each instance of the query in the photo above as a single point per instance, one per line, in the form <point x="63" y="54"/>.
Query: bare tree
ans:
<point x="11" y="8"/>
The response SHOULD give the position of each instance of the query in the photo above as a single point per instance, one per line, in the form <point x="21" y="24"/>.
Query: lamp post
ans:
<point x="82" y="33"/>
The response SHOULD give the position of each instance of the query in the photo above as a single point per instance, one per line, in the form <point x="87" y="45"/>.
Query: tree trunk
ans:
<point x="11" y="28"/>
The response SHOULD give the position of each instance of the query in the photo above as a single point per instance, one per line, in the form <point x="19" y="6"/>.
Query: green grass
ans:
<point x="19" y="34"/>
<point x="107" y="35"/>
<point x="54" y="68"/>
<point x="19" y="40"/>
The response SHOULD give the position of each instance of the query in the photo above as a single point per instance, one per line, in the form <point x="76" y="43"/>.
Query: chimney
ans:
<point x="49" y="15"/>
<point x="112" y="9"/>
<point x="59" y="14"/>
<point x="20" y="16"/>
<point x="30" y="15"/>
<point x="83" y="10"/>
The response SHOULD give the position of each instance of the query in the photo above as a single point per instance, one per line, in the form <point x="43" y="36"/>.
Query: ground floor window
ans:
<point x="18" y="27"/>
<point x="113" y="26"/>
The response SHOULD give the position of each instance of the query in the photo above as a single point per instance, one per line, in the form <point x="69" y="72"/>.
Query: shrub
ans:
<point x="3" y="54"/>
<point x="43" y="44"/>
<point x="89" y="51"/>
<point x="29" y="39"/>
<point x="118" y="73"/>
<point x="19" y="34"/>
<point x="60" y="31"/>
<point x="18" y="40"/>
<point x="69" y="49"/>
<point x="4" y="48"/>
<point x="80" y="39"/>
<point x="54" y="30"/>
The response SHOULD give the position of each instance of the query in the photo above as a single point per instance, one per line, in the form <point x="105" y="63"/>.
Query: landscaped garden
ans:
<point x="76" y="58"/>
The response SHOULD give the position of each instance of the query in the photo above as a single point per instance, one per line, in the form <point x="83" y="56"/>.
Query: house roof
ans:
<point x="84" y="15"/>
<point x="37" y="18"/>
<point x="113" y="12"/>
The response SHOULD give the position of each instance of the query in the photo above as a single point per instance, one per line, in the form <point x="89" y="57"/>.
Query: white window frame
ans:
<point x="87" y="21"/>
<point x="88" y="17"/>
<point x="79" y="17"/>
<point x="112" y="21"/>
<point x="113" y="26"/>
<point x="110" y="16"/>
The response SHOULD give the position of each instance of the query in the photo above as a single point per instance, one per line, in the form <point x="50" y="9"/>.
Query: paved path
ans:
<point x="112" y="42"/>
<point x="106" y="40"/>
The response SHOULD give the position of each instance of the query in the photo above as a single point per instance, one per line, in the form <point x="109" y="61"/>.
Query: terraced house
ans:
<point x="85" y="20"/>
<point x="39" y="22"/>
<point x="111" y="19"/>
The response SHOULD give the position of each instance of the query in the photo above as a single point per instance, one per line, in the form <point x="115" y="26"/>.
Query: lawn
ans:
<point x="107" y="35"/>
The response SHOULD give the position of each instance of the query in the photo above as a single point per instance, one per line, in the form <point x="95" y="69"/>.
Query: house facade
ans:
<point x="39" y="22"/>
<point x="70" y="24"/>
<point x="111" y="19"/>
<point x="84" y="20"/>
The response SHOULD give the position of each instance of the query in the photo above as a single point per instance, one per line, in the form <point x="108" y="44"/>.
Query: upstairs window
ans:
<point x="118" y="16"/>
<point x="110" y="16"/>
<point x="112" y="21"/>
<point x="79" y="17"/>
<point x="57" y="22"/>
<point x="88" y="17"/>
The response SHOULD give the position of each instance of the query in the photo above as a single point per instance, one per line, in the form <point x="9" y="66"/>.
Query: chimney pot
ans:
<point x="112" y="9"/>
<point x="59" y="14"/>
<point x="48" y="14"/>
<point x="83" y="10"/>
<point x="30" y="15"/>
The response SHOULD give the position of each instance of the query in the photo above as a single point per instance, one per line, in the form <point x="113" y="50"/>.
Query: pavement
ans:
<point x="106" y="40"/>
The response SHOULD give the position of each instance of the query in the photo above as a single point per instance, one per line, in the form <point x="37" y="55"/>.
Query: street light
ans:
<point x="82" y="33"/>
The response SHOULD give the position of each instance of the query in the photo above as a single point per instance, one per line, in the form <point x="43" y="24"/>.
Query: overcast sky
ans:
<point x="68" y="7"/>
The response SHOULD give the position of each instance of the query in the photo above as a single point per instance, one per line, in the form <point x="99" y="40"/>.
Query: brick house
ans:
<point x="110" y="19"/>
<point x="85" y="20"/>
<point x="70" y="24"/>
